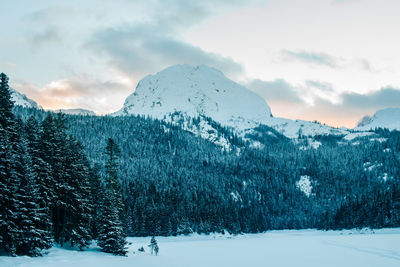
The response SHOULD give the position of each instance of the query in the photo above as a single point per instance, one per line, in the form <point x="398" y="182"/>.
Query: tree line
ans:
<point x="48" y="188"/>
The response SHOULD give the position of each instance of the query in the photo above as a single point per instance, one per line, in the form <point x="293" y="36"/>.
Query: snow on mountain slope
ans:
<point x="22" y="100"/>
<point x="196" y="91"/>
<point x="77" y="111"/>
<point x="296" y="128"/>
<point x="205" y="91"/>
<point x="200" y="126"/>
<point x="384" y="118"/>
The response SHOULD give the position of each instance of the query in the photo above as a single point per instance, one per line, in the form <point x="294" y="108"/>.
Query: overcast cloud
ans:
<point x="344" y="109"/>
<point x="310" y="58"/>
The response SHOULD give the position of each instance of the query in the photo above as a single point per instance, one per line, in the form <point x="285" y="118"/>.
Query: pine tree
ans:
<point x="96" y="197"/>
<point x="67" y="186"/>
<point x="5" y="109"/>
<point x="31" y="238"/>
<point x="40" y="173"/>
<point x="20" y="214"/>
<point x="79" y="206"/>
<point x="53" y="145"/>
<point x="9" y="175"/>
<point x="6" y="103"/>
<point x="111" y="236"/>
<point x="113" y="184"/>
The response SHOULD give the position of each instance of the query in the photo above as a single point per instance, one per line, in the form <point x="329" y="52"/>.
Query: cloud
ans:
<point x="50" y="14"/>
<point x="48" y="35"/>
<point x="323" y="86"/>
<point x="144" y="49"/>
<point x="275" y="91"/>
<point x="78" y="92"/>
<point x="44" y="26"/>
<point x="367" y="66"/>
<point x="385" y="97"/>
<point x="144" y="37"/>
<point x="280" y="92"/>
<point x="138" y="49"/>
<point x="310" y="58"/>
<point x="341" y="1"/>
<point x="345" y="109"/>
<point x="353" y="106"/>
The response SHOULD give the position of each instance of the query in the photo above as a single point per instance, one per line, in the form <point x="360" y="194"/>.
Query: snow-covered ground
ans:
<point x="277" y="248"/>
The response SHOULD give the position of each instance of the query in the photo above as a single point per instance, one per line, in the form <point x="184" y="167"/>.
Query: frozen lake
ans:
<point x="380" y="248"/>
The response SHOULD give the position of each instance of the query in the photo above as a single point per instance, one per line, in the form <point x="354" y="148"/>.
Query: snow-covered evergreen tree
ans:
<point x="97" y="195"/>
<point x="41" y="174"/>
<point x="111" y="236"/>
<point x="9" y="175"/>
<point x="68" y="188"/>
<point x="20" y="214"/>
<point x="31" y="238"/>
<point x="78" y="196"/>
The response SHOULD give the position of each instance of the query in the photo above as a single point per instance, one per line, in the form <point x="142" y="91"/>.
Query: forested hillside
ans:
<point x="174" y="182"/>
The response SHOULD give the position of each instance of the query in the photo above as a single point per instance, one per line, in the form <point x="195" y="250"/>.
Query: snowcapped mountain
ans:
<point x="196" y="91"/>
<point x="205" y="91"/>
<point x="384" y="118"/>
<point x="77" y="111"/>
<point x="22" y="100"/>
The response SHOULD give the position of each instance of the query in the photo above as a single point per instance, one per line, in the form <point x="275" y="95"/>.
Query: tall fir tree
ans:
<point x="6" y="103"/>
<point x="20" y="213"/>
<point x="111" y="236"/>
<point x="53" y="144"/>
<point x="70" y="191"/>
<point x="30" y="238"/>
<point x="79" y="206"/>
<point x="97" y="195"/>
<point x="5" y="106"/>
<point x="41" y="174"/>
<point x="8" y="175"/>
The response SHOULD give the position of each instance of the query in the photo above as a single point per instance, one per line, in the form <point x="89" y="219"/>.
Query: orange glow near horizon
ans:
<point x="335" y="117"/>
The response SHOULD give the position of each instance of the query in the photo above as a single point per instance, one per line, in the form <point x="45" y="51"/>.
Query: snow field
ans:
<point x="276" y="248"/>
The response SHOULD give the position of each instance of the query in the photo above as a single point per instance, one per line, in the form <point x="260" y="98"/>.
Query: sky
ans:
<point x="328" y="60"/>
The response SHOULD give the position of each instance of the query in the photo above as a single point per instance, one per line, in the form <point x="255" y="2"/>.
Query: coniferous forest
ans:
<point x="73" y="179"/>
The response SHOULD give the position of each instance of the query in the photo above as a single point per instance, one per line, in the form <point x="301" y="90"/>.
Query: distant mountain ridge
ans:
<point x="202" y="91"/>
<point x="77" y="111"/>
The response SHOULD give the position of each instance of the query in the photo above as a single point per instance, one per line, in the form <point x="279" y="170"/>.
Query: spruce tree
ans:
<point x="40" y="173"/>
<point x="31" y="238"/>
<point x="6" y="103"/>
<point x="53" y="145"/>
<point x="111" y="236"/>
<point x="78" y="196"/>
<point x="20" y="213"/>
<point x="8" y="175"/>
<point x="68" y="188"/>
<point x="96" y="193"/>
